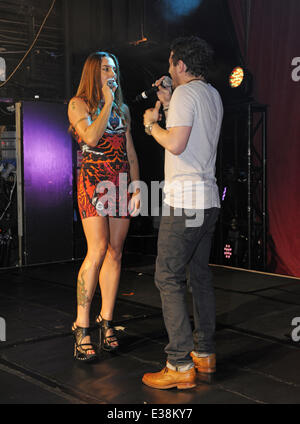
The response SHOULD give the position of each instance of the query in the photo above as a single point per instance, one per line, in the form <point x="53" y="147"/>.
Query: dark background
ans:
<point x="262" y="35"/>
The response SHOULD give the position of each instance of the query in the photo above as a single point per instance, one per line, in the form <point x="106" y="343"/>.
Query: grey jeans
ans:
<point x="180" y="246"/>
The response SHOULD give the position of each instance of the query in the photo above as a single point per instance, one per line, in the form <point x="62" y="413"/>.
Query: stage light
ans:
<point x="176" y="8"/>
<point x="138" y="42"/>
<point x="236" y="77"/>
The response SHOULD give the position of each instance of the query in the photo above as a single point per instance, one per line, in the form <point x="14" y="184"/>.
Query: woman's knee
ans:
<point x="115" y="252"/>
<point x="97" y="254"/>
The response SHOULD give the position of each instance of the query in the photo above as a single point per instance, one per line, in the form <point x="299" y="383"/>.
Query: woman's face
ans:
<point x="108" y="70"/>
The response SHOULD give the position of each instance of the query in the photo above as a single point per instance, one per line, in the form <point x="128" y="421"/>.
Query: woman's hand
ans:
<point x="134" y="204"/>
<point x="109" y="93"/>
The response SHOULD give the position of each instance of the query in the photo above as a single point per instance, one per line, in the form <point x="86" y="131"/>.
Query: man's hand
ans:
<point x="152" y="115"/>
<point x="164" y="93"/>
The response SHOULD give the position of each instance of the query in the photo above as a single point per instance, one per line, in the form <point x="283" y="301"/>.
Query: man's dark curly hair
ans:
<point x="196" y="53"/>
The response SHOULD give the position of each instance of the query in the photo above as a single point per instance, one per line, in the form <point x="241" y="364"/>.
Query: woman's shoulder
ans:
<point x="77" y="108"/>
<point x="74" y="101"/>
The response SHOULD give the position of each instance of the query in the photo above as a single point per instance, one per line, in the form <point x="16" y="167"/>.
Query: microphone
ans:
<point x="167" y="82"/>
<point x="111" y="83"/>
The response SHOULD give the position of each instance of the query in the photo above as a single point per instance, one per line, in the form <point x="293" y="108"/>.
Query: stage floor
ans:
<point x="257" y="361"/>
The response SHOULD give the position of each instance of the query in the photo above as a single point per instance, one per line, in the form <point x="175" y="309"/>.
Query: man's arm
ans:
<point x="173" y="139"/>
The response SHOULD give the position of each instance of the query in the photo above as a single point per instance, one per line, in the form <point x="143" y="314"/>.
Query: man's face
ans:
<point x="173" y="71"/>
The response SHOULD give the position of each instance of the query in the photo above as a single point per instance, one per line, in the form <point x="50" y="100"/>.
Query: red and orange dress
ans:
<point x="102" y="186"/>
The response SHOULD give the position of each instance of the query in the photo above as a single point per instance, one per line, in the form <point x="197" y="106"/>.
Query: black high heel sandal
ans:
<point x="105" y="342"/>
<point x="81" y="352"/>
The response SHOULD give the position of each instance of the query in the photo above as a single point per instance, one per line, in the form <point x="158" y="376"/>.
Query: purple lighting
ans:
<point x="224" y="194"/>
<point x="47" y="152"/>
<point x="48" y="182"/>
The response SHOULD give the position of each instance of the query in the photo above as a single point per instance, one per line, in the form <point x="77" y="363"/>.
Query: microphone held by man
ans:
<point x="166" y="82"/>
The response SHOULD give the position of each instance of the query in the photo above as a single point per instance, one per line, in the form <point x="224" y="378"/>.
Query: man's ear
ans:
<point x="181" y="66"/>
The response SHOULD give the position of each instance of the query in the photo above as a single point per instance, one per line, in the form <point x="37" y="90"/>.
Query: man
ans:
<point x="193" y="120"/>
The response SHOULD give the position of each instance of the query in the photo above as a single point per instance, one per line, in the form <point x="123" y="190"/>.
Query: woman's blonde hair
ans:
<point x="89" y="87"/>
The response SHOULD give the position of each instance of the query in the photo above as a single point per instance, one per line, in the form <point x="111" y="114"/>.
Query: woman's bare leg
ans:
<point x="96" y="230"/>
<point x="111" y="268"/>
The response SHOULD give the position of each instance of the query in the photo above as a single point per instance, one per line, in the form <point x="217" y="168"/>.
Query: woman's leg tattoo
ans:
<point x="82" y="297"/>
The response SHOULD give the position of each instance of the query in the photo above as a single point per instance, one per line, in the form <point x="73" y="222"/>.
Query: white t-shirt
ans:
<point x="190" y="181"/>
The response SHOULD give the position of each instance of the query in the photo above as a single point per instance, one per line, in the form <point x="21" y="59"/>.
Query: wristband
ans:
<point x="148" y="128"/>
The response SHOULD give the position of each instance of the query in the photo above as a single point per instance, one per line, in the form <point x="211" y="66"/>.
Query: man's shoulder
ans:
<point x="181" y="88"/>
<point x="196" y="88"/>
<point x="182" y="91"/>
<point x="201" y="92"/>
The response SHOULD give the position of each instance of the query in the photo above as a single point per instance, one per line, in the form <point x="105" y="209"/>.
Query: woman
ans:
<point x="100" y="122"/>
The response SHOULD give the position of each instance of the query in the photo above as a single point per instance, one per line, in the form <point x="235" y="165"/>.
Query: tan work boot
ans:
<point x="167" y="379"/>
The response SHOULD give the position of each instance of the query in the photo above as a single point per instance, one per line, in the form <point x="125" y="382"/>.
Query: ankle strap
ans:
<point x="83" y="331"/>
<point x="106" y="324"/>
